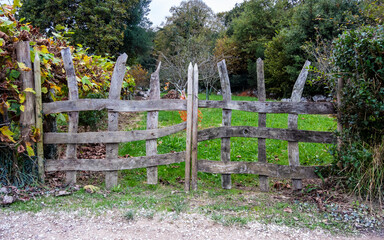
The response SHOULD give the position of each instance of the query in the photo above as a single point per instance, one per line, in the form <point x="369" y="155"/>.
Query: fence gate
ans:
<point x="112" y="163"/>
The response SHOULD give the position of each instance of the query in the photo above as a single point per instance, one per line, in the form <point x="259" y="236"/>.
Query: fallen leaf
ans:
<point x="91" y="188"/>
<point x="288" y="210"/>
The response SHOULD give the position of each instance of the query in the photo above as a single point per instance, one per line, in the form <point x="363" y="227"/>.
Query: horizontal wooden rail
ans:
<point x="265" y="169"/>
<point x="113" y="164"/>
<point x="115" y="105"/>
<point x="269" y="133"/>
<point x="272" y="107"/>
<point x="111" y="136"/>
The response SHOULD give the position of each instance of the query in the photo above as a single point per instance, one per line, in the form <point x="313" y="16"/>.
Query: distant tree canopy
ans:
<point x="106" y="27"/>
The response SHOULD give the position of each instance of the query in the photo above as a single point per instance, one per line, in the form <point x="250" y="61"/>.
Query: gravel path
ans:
<point x="111" y="225"/>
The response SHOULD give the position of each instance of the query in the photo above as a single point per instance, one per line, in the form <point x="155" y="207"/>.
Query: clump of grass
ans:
<point x="130" y="215"/>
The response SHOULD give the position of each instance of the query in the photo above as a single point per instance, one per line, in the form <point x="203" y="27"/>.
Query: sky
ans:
<point x="160" y="8"/>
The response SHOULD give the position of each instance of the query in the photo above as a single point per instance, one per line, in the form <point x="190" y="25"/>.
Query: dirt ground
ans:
<point x="112" y="225"/>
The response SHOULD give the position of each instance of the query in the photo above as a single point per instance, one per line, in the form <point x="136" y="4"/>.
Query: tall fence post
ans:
<point x="73" y="117"/>
<point x="262" y="153"/>
<point x="188" y="150"/>
<point x="27" y="117"/>
<point x="293" y="147"/>
<point x="195" y="105"/>
<point x="39" y="117"/>
<point x="112" y="149"/>
<point x="226" y="182"/>
<point x="152" y="123"/>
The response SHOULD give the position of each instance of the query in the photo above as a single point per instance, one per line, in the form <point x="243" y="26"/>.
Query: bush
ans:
<point x="359" y="55"/>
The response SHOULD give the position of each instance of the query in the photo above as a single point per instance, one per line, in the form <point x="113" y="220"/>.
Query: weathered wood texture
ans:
<point x="272" y="107"/>
<point x="39" y="117"/>
<point x="115" y="105"/>
<point x="113" y="117"/>
<point x="262" y="123"/>
<point x="152" y="123"/>
<point x="27" y="117"/>
<point x="293" y="147"/>
<point x="195" y="99"/>
<point x="269" y="133"/>
<point x="73" y="117"/>
<point x="188" y="151"/>
<point x="266" y="169"/>
<point x="226" y="181"/>
<point x="111" y="136"/>
<point x="114" y="164"/>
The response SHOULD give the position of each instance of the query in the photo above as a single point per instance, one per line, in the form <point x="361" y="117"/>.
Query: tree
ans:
<point x="105" y="27"/>
<point x="188" y="36"/>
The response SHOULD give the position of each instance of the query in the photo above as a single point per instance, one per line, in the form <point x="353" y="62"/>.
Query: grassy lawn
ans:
<point x="242" y="149"/>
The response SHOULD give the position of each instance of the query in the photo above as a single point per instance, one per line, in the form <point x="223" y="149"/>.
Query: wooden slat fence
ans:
<point x="112" y="163"/>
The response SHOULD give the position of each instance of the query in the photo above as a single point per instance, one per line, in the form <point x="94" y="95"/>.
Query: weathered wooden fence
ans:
<point x="112" y="163"/>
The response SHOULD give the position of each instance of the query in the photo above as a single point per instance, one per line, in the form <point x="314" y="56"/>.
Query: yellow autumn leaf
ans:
<point x="29" y="90"/>
<point x="22" y="97"/>
<point x="8" y="133"/>
<point x="30" y="151"/>
<point x="23" y="67"/>
<point x="22" y="108"/>
<point x="44" y="49"/>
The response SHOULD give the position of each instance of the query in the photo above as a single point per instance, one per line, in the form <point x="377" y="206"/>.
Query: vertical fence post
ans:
<point x="112" y="149"/>
<point x="39" y="116"/>
<point x="188" y="151"/>
<point x="195" y="105"/>
<point x="27" y="117"/>
<point x="293" y="147"/>
<point x="226" y="182"/>
<point x="152" y="123"/>
<point x="262" y="153"/>
<point x="340" y="85"/>
<point x="73" y="117"/>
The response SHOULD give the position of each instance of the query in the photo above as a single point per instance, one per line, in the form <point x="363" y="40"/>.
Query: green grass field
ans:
<point x="242" y="149"/>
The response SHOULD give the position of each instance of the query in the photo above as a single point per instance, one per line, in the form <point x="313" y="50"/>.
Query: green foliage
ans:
<point x="106" y="27"/>
<point x="358" y="56"/>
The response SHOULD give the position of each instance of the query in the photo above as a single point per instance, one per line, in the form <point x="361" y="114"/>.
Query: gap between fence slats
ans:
<point x="113" y="164"/>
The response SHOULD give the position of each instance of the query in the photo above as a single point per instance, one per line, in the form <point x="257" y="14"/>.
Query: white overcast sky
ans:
<point x="160" y="8"/>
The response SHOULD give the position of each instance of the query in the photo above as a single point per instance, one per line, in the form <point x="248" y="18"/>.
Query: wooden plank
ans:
<point x="114" y="164"/>
<point x="39" y="117"/>
<point x="27" y="117"/>
<point x="262" y="123"/>
<point x="266" y="169"/>
<point x="195" y="99"/>
<point x="293" y="146"/>
<point x="273" y="107"/>
<point x="269" y="133"/>
<point x="226" y="181"/>
<point x="152" y="123"/>
<point x="115" y="105"/>
<point x="188" y="151"/>
<point x="112" y="150"/>
<point x="111" y="136"/>
<point x="73" y="117"/>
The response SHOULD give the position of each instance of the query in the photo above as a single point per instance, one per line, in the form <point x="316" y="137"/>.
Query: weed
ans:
<point x="130" y="215"/>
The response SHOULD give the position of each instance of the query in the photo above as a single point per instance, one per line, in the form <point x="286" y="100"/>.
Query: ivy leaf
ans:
<point x="44" y="90"/>
<point x="8" y="133"/>
<point x="22" y="108"/>
<point x="22" y="97"/>
<point x="14" y="74"/>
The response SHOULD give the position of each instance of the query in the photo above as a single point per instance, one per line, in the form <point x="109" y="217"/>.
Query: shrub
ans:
<point x="358" y="56"/>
